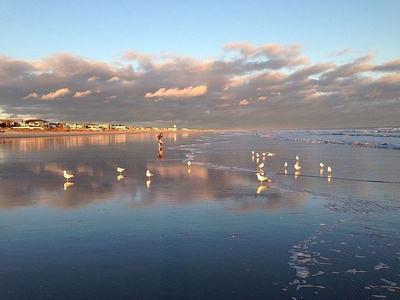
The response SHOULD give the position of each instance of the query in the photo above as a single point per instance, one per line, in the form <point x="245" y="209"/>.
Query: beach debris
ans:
<point x="391" y="283"/>
<point x="354" y="271"/>
<point x="381" y="266"/>
<point x="309" y="286"/>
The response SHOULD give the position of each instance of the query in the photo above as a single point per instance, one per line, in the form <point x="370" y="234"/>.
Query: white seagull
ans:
<point x="120" y="170"/>
<point x="321" y="165"/>
<point x="260" y="166"/>
<point x="329" y="169"/>
<point x="285" y="164"/>
<point x="262" y="178"/>
<point x="67" y="176"/>
<point x="297" y="167"/>
<point x="148" y="174"/>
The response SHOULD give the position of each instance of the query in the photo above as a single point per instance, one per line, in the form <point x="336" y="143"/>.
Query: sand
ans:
<point x="208" y="230"/>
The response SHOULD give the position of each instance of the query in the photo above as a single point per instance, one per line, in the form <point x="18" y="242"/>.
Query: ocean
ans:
<point x="205" y="230"/>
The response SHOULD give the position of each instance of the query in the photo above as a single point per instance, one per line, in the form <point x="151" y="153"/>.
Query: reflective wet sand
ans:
<point x="208" y="230"/>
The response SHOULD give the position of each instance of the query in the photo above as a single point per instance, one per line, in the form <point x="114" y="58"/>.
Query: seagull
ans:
<point x="67" y="176"/>
<point x="120" y="170"/>
<point x="189" y="163"/>
<point x="321" y="165"/>
<point x="297" y="167"/>
<point x="260" y="166"/>
<point x="262" y="178"/>
<point x="297" y="158"/>
<point x="271" y="154"/>
<point x="329" y="169"/>
<point x="148" y="174"/>
<point x="285" y="164"/>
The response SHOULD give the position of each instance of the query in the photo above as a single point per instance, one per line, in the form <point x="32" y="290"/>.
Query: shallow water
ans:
<point x="204" y="231"/>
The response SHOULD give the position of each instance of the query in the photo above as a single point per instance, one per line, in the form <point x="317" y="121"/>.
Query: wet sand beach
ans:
<point x="208" y="229"/>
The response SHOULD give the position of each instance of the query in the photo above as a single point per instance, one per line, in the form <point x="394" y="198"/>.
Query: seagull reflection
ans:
<point x="120" y="177"/>
<point x="261" y="188"/>
<point x="68" y="184"/>
<point x="148" y="183"/>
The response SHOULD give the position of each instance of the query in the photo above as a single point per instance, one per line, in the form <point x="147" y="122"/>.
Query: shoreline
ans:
<point x="15" y="133"/>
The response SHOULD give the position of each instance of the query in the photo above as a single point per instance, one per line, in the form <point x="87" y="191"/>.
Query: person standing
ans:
<point x="160" y="146"/>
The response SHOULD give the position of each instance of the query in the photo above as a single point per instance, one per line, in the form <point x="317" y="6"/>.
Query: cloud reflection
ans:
<point x="33" y="177"/>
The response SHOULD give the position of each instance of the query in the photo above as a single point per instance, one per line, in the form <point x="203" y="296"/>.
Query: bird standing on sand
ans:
<point x="329" y="170"/>
<point x="262" y="178"/>
<point x="285" y="164"/>
<point x="120" y="170"/>
<point x="321" y="165"/>
<point x="67" y="176"/>
<point x="148" y="174"/>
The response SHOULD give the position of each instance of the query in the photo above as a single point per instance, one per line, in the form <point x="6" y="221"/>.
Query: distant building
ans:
<point x="36" y="123"/>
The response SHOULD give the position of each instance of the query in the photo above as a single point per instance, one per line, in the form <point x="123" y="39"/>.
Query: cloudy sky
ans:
<point x="254" y="64"/>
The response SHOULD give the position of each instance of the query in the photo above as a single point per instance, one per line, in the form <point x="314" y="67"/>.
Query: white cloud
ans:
<point x="57" y="94"/>
<point x="31" y="95"/>
<point x="179" y="93"/>
<point x="93" y="78"/>
<point x="84" y="94"/>
<point x="113" y="79"/>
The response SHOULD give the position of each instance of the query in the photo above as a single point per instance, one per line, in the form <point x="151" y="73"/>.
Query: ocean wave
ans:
<point x="382" y="138"/>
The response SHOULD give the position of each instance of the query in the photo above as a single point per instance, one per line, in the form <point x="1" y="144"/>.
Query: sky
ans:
<point x="202" y="64"/>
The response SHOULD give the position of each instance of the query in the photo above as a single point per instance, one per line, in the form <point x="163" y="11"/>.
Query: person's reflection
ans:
<point x="160" y="146"/>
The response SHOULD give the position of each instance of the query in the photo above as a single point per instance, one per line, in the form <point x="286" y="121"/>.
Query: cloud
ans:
<point x="31" y="95"/>
<point x="93" y="78"/>
<point x="178" y="93"/>
<point x="113" y="79"/>
<point x="57" y="94"/>
<point x="247" y="83"/>
<point x="84" y="94"/>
